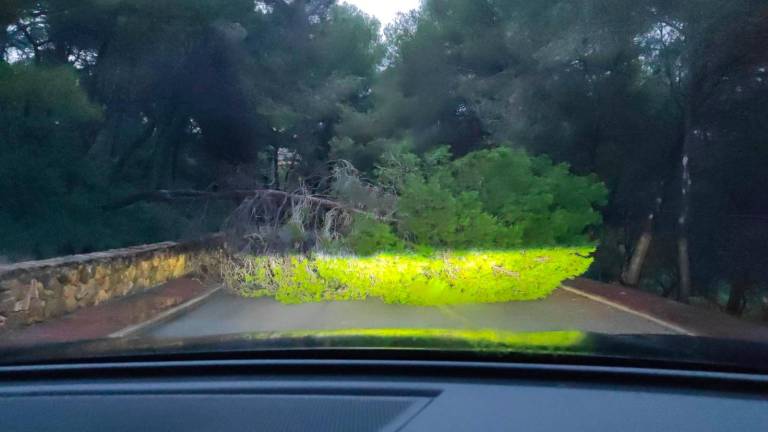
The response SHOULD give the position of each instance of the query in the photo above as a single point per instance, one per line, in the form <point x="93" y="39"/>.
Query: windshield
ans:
<point x="482" y="175"/>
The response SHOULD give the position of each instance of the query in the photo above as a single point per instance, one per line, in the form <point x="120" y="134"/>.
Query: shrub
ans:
<point x="368" y="237"/>
<point x="500" y="198"/>
<point x="430" y="214"/>
<point x="440" y="279"/>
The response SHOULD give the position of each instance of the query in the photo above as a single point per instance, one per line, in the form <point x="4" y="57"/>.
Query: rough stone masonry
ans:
<point x="37" y="291"/>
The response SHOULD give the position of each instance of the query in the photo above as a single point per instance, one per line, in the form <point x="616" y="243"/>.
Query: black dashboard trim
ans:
<point x="349" y="370"/>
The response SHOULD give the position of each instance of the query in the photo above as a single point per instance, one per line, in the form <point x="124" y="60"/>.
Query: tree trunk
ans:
<point x="122" y="161"/>
<point x="160" y="157"/>
<point x="684" y="261"/>
<point x="276" y="168"/>
<point x="737" y="298"/>
<point x="61" y="53"/>
<point x="684" y="264"/>
<point x="631" y="275"/>
<point x="165" y="151"/>
<point x="103" y="145"/>
<point x="764" y="304"/>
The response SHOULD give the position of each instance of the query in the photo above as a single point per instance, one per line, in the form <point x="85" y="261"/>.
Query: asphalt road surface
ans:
<point x="226" y="313"/>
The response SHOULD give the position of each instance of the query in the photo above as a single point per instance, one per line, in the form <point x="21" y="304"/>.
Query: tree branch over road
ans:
<point x="170" y="196"/>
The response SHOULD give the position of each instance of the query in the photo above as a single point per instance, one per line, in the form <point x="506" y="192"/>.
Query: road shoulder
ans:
<point x="682" y="318"/>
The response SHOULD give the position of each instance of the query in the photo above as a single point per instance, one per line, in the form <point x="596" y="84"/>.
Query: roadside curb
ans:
<point x="165" y="315"/>
<point x="596" y="298"/>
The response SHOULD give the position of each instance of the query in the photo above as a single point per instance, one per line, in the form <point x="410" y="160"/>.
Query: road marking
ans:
<point x="170" y="313"/>
<point x="623" y="308"/>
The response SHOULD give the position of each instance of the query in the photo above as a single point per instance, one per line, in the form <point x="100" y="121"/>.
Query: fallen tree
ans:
<point x="237" y="196"/>
<point x="272" y="220"/>
<point x="170" y="196"/>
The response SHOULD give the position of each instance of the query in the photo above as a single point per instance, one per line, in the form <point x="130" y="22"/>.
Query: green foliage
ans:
<point x="43" y="177"/>
<point x="444" y="278"/>
<point x="47" y="98"/>
<point x="494" y="198"/>
<point x="369" y="236"/>
<point x="50" y="193"/>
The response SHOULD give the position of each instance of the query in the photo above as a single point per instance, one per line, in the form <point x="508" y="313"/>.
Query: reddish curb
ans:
<point x="107" y="319"/>
<point x="683" y="318"/>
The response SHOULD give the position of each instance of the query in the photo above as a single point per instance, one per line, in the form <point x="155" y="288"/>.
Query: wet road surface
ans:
<point x="226" y="313"/>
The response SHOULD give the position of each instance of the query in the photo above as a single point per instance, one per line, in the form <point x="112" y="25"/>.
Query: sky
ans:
<point x="385" y="10"/>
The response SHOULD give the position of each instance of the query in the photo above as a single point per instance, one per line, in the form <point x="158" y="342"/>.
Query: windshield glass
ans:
<point x="483" y="175"/>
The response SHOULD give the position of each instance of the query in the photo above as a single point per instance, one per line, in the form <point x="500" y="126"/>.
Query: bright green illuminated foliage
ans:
<point x="442" y="278"/>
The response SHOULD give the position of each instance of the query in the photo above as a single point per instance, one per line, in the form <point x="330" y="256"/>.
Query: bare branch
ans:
<point x="169" y="196"/>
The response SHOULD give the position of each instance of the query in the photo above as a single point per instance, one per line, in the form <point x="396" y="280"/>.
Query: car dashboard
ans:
<point x="375" y="395"/>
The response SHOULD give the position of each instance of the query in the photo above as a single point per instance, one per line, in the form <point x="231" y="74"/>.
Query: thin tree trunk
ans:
<point x="631" y="275"/>
<point x="61" y="53"/>
<point x="148" y="133"/>
<point x="177" y="142"/>
<point x="684" y="264"/>
<point x="164" y="151"/>
<point x="736" y="299"/>
<point x="684" y="261"/>
<point x="159" y="157"/>
<point x="764" y="304"/>
<point x="102" y="147"/>
<point x="276" y="168"/>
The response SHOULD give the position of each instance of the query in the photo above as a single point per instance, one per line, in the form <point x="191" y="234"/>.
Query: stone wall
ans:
<point x="36" y="291"/>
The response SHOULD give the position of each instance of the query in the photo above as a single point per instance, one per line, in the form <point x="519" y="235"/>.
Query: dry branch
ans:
<point x="169" y="196"/>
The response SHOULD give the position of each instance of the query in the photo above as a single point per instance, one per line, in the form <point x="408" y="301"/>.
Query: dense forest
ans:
<point x="637" y="124"/>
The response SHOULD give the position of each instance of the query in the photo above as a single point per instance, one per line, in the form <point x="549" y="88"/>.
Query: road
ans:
<point x="226" y="313"/>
